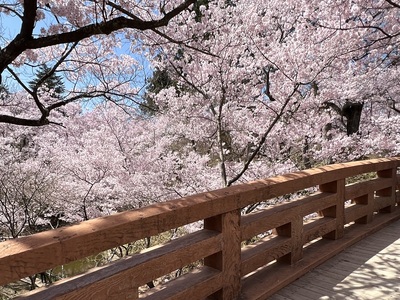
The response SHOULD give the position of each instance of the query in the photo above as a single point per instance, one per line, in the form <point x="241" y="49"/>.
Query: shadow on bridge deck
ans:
<point x="368" y="270"/>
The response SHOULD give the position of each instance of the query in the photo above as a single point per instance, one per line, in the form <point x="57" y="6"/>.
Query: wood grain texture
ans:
<point x="264" y="251"/>
<point x="336" y="211"/>
<point x="369" y="202"/>
<point x="268" y="280"/>
<point x="360" y="189"/>
<point x="389" y="192"/>
<point x="366" y="271"/>
<point x="197" y="285"/>
<point x="225" y="230"/>
<point x="318" y="228"/>
<point x="229" y="259"/>
<point x="281" y="214"/>
<point x="127" y="275"/>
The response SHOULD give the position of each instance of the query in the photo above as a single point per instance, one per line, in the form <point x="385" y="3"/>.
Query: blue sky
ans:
<point x="10" y="26"/>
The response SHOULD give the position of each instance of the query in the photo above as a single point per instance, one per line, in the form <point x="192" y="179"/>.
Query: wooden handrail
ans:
<point x="233" y="268"/>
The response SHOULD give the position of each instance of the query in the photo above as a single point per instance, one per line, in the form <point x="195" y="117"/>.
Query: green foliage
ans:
<point x="3" y="92"/>
<point x="161" y="80"/>
<point x="47" y="80"/>
<point x="196" y="8"/>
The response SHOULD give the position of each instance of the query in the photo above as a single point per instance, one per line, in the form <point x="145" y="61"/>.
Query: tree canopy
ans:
<point x="88" y="44"/>
<point x="239" y="90"/>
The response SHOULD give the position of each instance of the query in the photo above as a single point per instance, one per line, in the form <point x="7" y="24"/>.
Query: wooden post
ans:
<point x="369" y="201"/>
<point x="388" y="192"/>
<point x="336" y="211"/>
<point x="397" y="189"/>
<point x="294" y="230"/>
<point x="228" y="261"/>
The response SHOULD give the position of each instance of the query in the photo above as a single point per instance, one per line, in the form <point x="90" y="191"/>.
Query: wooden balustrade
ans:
<point x="245" y="256"/>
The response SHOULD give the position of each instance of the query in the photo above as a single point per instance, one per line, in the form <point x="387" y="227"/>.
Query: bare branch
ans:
<point x="393" y="3"/>
<point x="24" y="40"/>
<point x="54" y="68"/>
<point x="263" y="138"/>
<point x="168" y="38"/>
<point x="23" y="122"/>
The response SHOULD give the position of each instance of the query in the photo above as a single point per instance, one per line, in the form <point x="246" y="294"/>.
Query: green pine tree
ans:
<point x="48" y="81"/>
<point x="160" y="80"/>
<point x="164" y="78"/>
<point x="4" y="93"/>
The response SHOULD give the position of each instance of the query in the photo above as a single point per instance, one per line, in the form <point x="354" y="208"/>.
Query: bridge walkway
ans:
<point x="369" y="269"/>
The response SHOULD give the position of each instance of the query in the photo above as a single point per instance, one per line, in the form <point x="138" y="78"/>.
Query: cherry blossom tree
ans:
<point x="248" y="90"/>
<point x="290" y="86"/>
<point x="137" y="163"/>
<point x="29" y="181"/>
<point x="363" y="94"/>
<point x="90" y="44"/>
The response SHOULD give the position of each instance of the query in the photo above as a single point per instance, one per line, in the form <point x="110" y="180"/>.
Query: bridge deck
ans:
<point x="368" y="270"/>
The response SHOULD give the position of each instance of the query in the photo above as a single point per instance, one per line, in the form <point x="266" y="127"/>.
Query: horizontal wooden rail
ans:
<point x="244" y="256"/>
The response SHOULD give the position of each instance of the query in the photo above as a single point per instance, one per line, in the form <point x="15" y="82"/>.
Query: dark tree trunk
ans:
<point x="352" y="112"/>
<point x="306" y="159"/>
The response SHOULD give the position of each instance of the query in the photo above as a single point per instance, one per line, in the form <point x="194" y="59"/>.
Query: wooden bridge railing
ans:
<point x="234" y="268"/>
